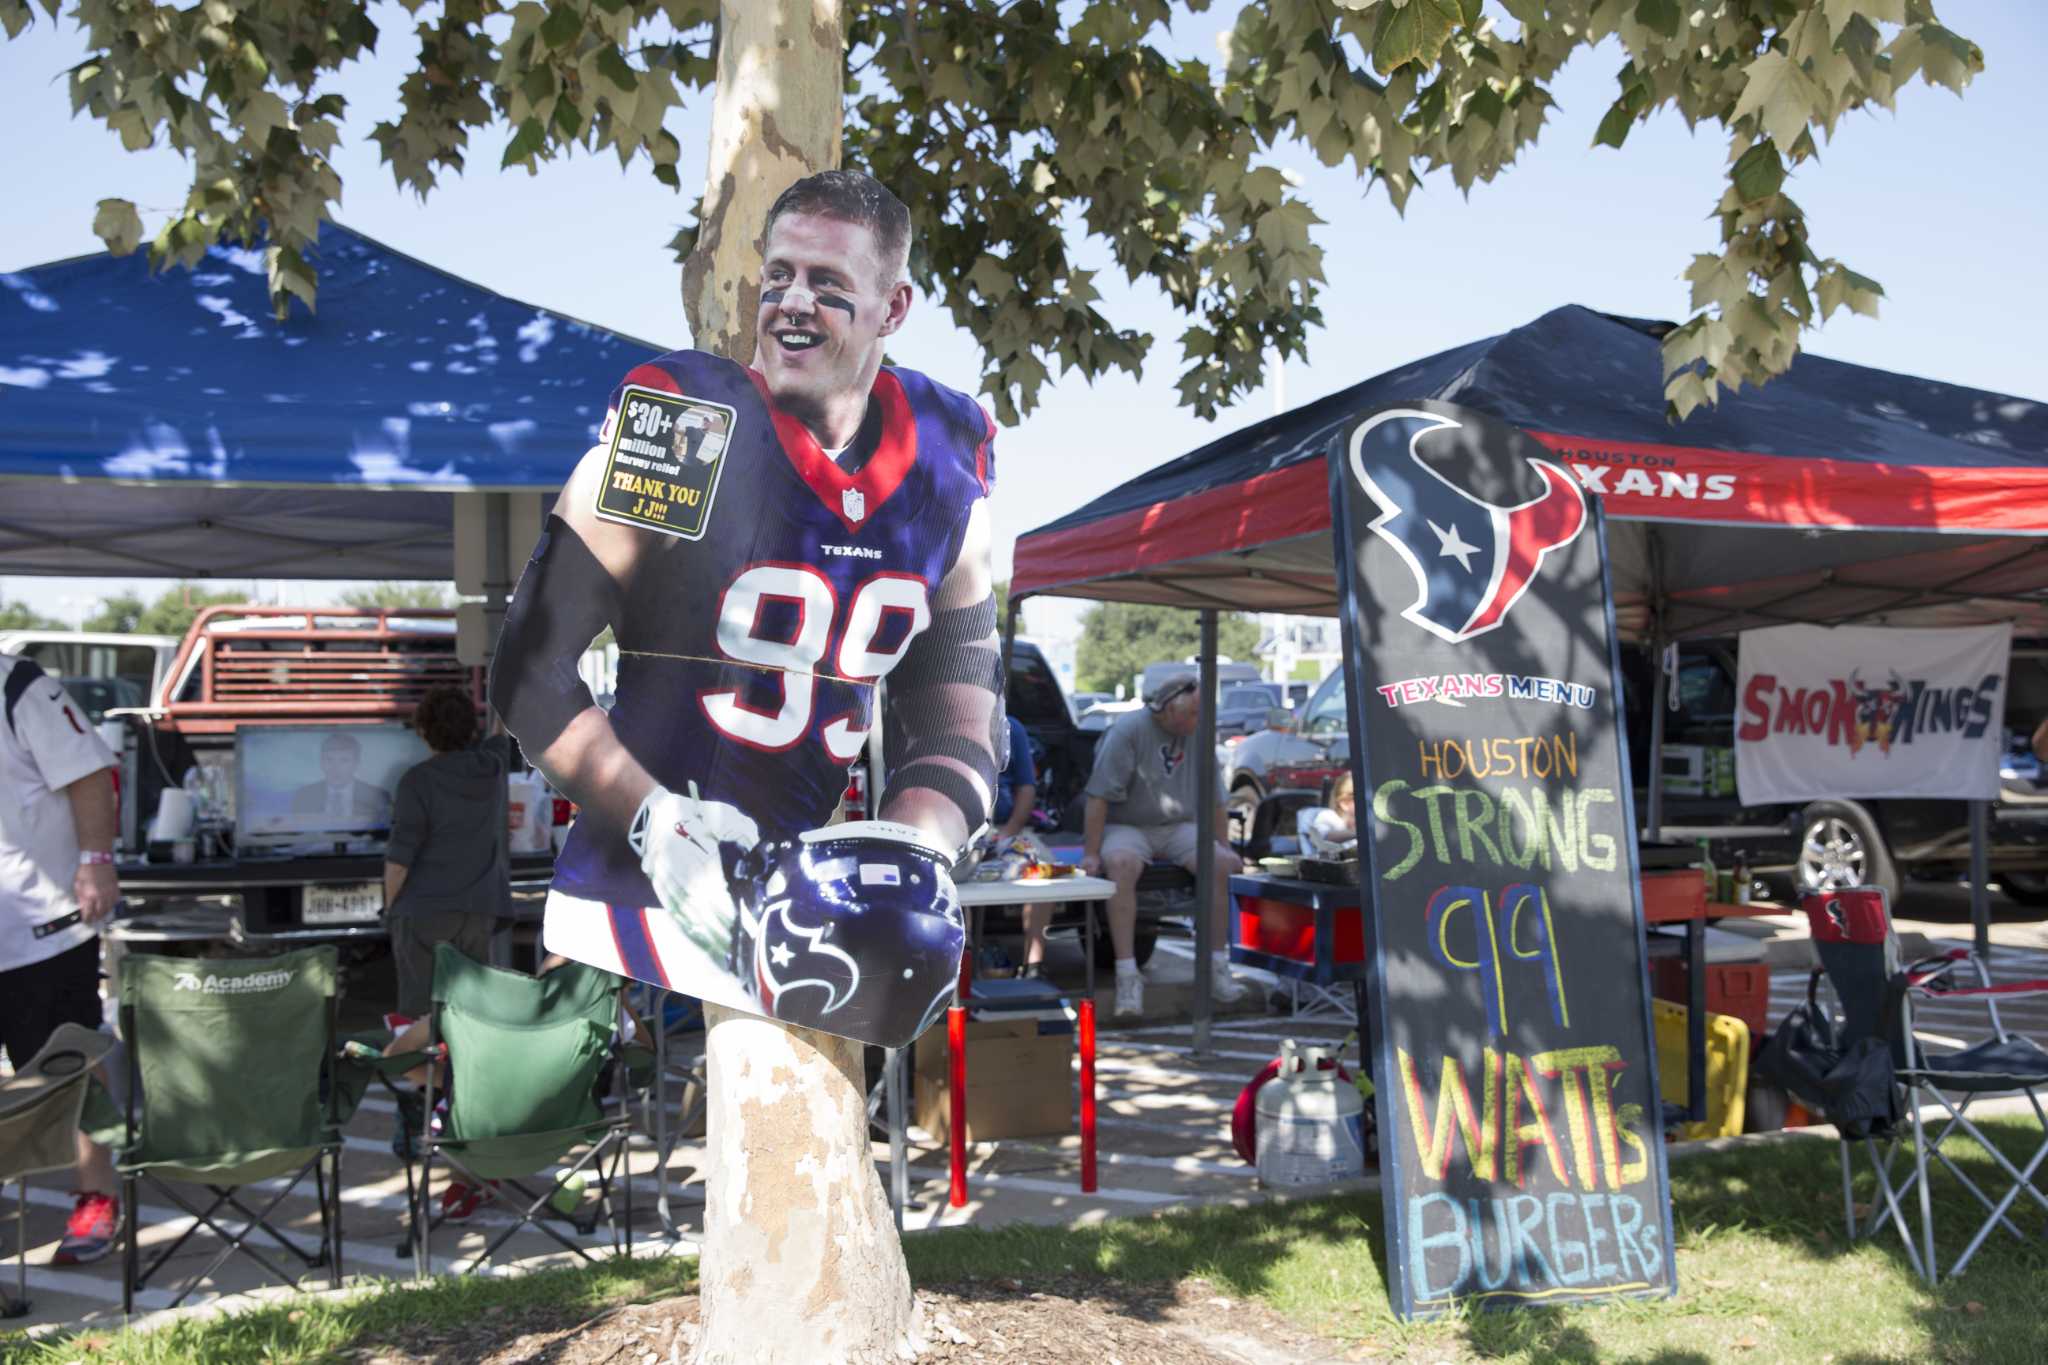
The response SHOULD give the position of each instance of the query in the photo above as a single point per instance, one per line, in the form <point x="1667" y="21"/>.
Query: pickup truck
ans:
<point x="243" y="666"/>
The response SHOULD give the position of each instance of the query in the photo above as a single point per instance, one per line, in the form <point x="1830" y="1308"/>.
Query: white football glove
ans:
<point x="678" y="839"/>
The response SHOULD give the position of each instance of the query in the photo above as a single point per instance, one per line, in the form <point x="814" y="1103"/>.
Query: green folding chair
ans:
<point x="525" y="1056"/>
<point x="232" y="1064"/>
<point x="40" y="1109"/>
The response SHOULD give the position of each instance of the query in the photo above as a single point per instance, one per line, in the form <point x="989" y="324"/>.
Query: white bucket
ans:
<point x="175" y="812"/>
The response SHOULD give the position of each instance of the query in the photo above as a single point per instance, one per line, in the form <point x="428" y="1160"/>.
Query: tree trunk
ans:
<point x="801" y="1261"/>
<point x="775" y="119"/>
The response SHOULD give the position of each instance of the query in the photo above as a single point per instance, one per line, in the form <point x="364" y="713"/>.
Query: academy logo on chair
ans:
<point x="255" y="983"/>
<point x="1472" y="559"/>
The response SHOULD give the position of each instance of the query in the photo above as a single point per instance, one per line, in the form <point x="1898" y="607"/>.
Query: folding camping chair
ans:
<point x="40" y="1107"/>
<point x="230" y="1061"/>
<point x="1852" y="935"/>
<point x="524" y="1057"/>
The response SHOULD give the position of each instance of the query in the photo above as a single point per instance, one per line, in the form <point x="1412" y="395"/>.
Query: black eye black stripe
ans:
<point x="775" y="296"/>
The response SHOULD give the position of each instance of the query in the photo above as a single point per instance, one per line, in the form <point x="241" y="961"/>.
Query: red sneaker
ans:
<point x="89" y="1234"/>
<point x="460" y="1200"/>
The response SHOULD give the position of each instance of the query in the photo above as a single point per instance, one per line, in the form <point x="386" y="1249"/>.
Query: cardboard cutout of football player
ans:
<point x="767" y="543"/>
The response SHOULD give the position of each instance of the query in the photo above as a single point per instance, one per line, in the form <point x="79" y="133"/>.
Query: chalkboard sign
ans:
<point x="1522" y="1158"/>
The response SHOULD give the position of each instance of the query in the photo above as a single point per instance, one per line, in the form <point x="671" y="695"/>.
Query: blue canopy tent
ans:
<point x="168" y="424"/>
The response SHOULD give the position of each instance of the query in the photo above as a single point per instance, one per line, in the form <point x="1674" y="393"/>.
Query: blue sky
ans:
<point x="1943" y="203"/>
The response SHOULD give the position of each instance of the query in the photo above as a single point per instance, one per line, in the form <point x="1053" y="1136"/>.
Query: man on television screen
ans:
<point x="823" y="525"/>
<point x="340" y="799"/>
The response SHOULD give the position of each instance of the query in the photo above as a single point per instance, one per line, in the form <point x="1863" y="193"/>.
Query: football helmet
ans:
<point x="854" y="929"/>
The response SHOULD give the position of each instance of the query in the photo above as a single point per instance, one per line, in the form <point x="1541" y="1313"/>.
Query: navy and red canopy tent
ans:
<point x="1835" y="493"/>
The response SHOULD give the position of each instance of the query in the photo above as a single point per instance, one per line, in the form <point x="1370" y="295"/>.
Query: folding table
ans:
<point x="974" y="898"/>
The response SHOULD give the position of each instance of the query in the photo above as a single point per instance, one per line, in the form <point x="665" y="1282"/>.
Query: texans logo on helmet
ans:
<point x="849" y="933"/>
<point x="1472" y="561"/>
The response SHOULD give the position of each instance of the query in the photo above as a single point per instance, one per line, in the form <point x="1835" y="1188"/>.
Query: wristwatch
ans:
<point x="95" y="857"/>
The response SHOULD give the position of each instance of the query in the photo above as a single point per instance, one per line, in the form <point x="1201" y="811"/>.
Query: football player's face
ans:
<point x="825" y="307"/>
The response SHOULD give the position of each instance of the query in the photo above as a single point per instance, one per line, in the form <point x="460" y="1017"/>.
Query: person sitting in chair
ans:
<point x="1141" y="806"/>
<point x="1331" y="831"/>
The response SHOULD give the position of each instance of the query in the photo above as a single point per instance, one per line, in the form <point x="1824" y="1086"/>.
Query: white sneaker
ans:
<point x="1130" y="996"/>
<point x="1224" y="988"/>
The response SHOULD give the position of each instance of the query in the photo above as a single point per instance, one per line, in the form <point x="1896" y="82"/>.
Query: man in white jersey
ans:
<point x="57" y="819"/>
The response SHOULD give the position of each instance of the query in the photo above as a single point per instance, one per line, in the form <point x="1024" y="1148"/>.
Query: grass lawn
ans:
<point x="1763" y="1274"/>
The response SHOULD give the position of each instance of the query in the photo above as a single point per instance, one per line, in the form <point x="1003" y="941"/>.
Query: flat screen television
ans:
<point x="308" y="788"/>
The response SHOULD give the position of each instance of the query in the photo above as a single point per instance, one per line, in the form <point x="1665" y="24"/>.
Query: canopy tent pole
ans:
<point x="1010" y="613"/>
<point x="498" y="578"/>
<point x="1205" y="831"/>
<point x="1653" y="823"/>
<point x="1980" y="876"/>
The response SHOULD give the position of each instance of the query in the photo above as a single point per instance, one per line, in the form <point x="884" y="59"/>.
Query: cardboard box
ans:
<point x="1020" y="1079"/>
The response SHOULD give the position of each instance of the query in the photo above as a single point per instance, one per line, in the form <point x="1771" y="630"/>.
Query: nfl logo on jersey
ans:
<point x="855" y="504"/>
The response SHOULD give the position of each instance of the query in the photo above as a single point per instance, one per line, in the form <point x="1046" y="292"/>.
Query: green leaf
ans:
<point x="1416" y="32"/>
<point x="562" y="27"/>
<point x="118" y="225"/>
<point x="1688" y="390"/>
<point x="614" y="68"/>
<point x="262" y="113"/>
<point x="250" y="58"/>
<point x="1863" y="293"/>
<point x="530" y="138"/>
<point x="1780" y="95"/>
<point x="1614" y="126"/>
<point x="1758" y="173"/>
<point x="290" y="277"/>
<point x="1659" y="16"/>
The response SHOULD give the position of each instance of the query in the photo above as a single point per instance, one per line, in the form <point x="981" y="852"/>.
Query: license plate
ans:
<point x="343" y="904"/>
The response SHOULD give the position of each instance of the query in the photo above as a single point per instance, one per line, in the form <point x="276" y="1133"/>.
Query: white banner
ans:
<point x="1864" y="711"/>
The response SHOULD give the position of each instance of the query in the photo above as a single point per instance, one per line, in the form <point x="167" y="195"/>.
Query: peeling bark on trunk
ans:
<point x="801" y="1261"/>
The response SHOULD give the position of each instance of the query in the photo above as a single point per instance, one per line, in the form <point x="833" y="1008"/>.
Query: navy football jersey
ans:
<point x="747" y="654"/>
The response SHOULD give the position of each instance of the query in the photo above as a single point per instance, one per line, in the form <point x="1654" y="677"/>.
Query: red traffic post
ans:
<point x="956" y="1047"/>
<point x="1087" y="1033"/>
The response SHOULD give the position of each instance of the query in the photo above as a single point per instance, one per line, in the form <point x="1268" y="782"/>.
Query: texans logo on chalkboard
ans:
<point x="1472" y="560"/>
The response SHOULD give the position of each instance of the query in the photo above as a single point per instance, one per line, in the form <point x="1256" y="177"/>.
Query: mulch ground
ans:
<point x="1053" y="1320"/>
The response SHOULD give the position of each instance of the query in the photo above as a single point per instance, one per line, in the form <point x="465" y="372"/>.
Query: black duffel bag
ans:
<point x="1852" y="1087"/>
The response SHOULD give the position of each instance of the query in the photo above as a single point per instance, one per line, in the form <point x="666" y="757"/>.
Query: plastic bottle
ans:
<point x="568" y="1193"/>
<point x="1310" y="1129"/>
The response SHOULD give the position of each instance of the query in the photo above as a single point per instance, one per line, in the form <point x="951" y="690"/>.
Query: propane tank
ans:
<point x="1311" y="1128"/>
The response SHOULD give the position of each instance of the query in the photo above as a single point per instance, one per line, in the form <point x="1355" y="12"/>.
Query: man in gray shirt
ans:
<point x="1141" y="807"/>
